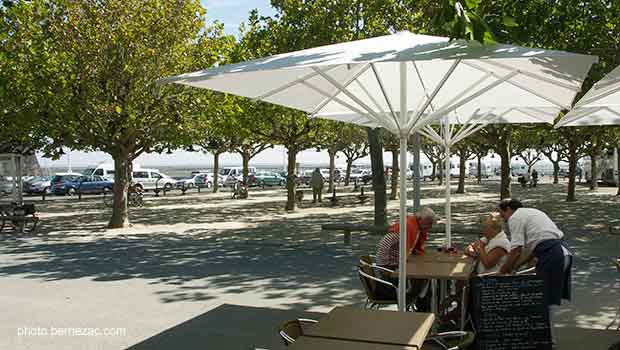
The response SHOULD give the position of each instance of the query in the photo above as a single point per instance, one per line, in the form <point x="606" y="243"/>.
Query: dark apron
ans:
<point x="550" y="267"/>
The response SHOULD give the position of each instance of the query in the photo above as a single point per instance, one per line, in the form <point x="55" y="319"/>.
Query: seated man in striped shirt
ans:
<point x="418" y="226"/>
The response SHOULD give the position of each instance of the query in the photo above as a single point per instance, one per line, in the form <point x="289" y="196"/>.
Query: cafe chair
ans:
<point x="293" y="329"/>
<point x="449" y="340"/>
<point x="379" y="292"/>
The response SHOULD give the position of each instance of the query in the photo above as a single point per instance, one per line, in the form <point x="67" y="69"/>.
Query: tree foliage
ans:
<point x="95" y="68"/>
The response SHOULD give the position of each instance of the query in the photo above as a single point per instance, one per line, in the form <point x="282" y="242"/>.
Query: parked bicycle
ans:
<point x="135" y="197"/>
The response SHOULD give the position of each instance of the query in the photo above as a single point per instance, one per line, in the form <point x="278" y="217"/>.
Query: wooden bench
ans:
<point x="348" y="228"/>
<point x="18" y="222"/>
<point x="381" y="230"/>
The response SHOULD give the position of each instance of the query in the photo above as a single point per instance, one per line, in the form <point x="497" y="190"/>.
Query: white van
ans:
<point x="103" y="170"/>
<point x="486" y="169"/>
<point x="517" y="170"/>
<point x="426" y="171"/>
<point x="152" y="179"/>
<point x="606" y="169"/>
<point x="230" y="175"/>
<point x="455" y="169"/>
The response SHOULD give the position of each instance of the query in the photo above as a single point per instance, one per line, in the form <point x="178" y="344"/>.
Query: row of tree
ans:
<point x="84" y="75"/>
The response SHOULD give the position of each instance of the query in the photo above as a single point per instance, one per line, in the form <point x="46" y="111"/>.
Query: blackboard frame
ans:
<point x="509" y="313"/>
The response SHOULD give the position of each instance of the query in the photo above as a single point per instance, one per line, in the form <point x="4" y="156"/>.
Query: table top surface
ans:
<point x="374" y="326"/>
<point x="436" y="256"/>
<point x="314" y="343"/>
<point x="438" y="265"/>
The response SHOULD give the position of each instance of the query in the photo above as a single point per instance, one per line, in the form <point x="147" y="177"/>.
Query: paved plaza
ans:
<point x="204" y="271"/>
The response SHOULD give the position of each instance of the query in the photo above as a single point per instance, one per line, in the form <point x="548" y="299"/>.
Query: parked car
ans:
<point x="207" y="180"/>
<point x="269" y="178"/>
<point x="367" y="178"/>
<point x="357" y="174"/>
<point x="299" y="180"/>
<point x="338" y="174"/>
<point x="152" y="179"/>
<point x="201" y="171"/>
<point x="6" y="186"/>
<point x="72" y="185"/>
<point x="64" y="183"/>
<point x="94" y="184"/>
<point x="563" y="173"/>
<point x="196" y="180"/>
<point x="38" y="185"/>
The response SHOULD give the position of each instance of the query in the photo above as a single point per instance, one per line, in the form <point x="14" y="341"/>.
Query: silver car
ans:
<point x="6" y="186"/>
<point x="37" y="185"/>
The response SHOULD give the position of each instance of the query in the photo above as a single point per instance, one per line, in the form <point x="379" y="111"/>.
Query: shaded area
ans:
<point x="226" y="327"/>
<point x="261" y="255"/>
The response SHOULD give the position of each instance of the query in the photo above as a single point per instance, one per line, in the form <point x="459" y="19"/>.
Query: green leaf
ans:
<point x="472" y="4"/>
<point x="118" y="109"/>
<point x="510" y="22"/>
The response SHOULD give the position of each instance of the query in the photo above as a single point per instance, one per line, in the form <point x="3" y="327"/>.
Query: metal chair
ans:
<point x="293" y="329"/>
<point x="449" y="340"/>
<point x="379" y="292"/>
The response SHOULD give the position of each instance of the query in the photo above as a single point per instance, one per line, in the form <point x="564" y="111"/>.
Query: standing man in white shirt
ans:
<point x="532" y="231"/>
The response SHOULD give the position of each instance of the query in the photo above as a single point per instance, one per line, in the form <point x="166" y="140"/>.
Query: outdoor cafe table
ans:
<point x="441" y="266"/>
<point x="378" y="327"/>
<point x="315" y="343"/>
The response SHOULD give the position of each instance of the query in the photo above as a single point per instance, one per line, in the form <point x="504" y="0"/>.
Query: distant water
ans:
<point x="182" y="171"/>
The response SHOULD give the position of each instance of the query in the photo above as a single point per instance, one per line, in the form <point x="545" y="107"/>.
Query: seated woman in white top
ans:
<point x="491" y="249"/>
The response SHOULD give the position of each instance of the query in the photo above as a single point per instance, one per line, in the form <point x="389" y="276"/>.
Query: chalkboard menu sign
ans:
<point x="509" y="313"/>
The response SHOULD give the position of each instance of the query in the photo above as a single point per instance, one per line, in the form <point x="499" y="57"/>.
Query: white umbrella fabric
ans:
<point x="390" y="82"/>
<point x="599" y="106"/>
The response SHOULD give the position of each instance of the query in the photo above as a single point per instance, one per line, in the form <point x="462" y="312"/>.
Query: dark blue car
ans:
<point x="71" y="185"/>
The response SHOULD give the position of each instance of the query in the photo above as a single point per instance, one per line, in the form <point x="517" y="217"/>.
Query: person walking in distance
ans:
<point x="317" y="182"/>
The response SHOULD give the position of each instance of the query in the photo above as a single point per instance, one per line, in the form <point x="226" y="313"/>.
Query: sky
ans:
<point x="233" y="12"/>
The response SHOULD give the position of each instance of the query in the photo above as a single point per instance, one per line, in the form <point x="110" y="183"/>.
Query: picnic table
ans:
<point x="440" y="266"/>
<point x="349" y="327"/>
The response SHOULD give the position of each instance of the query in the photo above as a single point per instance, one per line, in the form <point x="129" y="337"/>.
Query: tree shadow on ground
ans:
<point x="227" y="327"/>
<point x="285" y="256"/>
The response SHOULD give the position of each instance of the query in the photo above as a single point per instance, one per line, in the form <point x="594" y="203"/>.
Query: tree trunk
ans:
<point x="216" y="171"/>
<point x="479" y="173"/>
<point x="395" y="174"/>
<point x="572" y="171"/>
<point x="461" y="186"/>
<point x="378" y="176"/>
<point x="291" y="184"/>
<point x="31" y="165"/>
<point x="332" y="167"/>
<point x="593" y="172"/>
<point x="556" y="172"/>
<point x="245" y="159"/>
<point x="347" y="177"/>
<point x="433" y="171"/>
<point x="122" y="178"/>
<point x="504" y="153"/>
